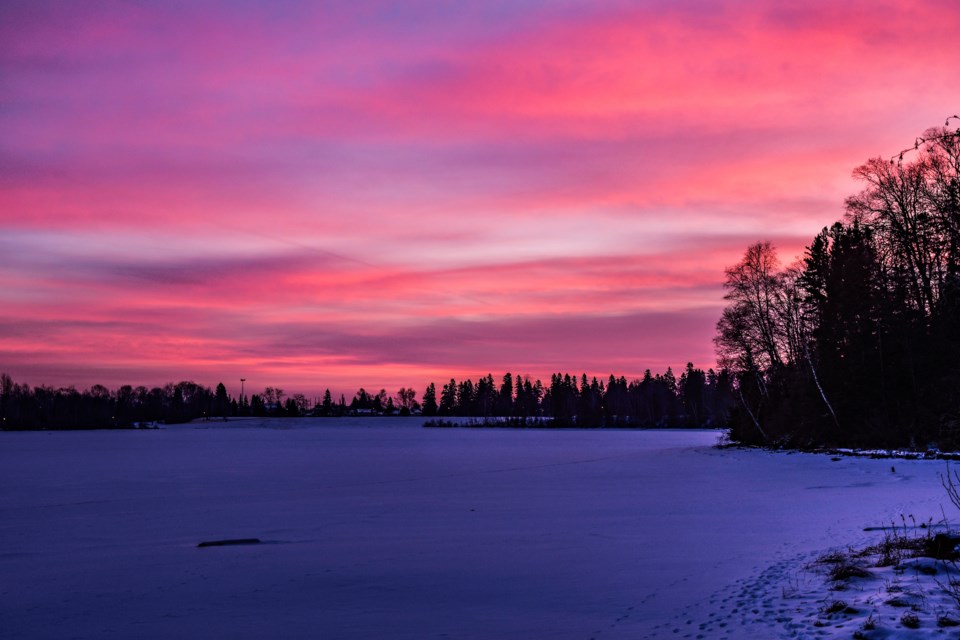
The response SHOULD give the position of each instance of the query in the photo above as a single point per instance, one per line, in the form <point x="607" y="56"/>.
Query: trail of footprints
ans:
<point x="769" y="605"/>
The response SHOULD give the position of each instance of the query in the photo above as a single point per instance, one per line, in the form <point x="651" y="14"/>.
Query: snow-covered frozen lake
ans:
<point x="381" y="529"/>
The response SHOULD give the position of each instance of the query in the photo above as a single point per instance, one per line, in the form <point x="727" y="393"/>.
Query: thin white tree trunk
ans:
<point x="756" y="422"/>
<point x="816" y="381"/>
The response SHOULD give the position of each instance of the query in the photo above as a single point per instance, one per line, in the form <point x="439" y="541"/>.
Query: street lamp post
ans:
<point x="242" y="380"/>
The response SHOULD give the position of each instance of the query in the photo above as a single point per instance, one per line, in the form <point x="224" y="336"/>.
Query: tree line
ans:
<point x="696" y="399"/>
<point x="857" y="343"/>
<point x="44" y="407"/>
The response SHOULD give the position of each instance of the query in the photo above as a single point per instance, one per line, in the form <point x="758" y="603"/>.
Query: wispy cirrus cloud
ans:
<point x="387" y="191"/>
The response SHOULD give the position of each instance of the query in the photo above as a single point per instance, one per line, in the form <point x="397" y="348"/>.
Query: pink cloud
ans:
<point x="390" y="192"/>
<point x="306" y="321"/>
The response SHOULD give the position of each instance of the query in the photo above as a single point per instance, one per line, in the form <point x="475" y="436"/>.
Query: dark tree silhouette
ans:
<point x="859" y="344"/>
<point x="430" y="400"/>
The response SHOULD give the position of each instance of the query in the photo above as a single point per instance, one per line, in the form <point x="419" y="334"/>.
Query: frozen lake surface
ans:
<point x="378" y="528"/>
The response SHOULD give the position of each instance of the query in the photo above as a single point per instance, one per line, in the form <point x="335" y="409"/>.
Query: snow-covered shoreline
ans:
<point x="383" y="531"/>
<point x="875" y="454"/>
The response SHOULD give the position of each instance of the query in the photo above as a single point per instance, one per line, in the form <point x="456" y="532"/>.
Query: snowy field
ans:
<point x="382" y="529"/>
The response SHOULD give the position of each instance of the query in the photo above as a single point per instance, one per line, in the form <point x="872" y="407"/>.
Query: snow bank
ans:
<point x="379" y="528"/>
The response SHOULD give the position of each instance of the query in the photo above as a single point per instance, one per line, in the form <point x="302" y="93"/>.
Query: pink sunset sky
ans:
<point x="383" y="194"/>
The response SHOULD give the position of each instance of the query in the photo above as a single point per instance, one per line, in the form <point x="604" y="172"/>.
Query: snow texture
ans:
<point x="379" y="528"/>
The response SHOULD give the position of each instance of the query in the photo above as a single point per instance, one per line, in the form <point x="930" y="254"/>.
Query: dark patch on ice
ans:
<point x="228" y="542"/>
<point x="853" y="485"/>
